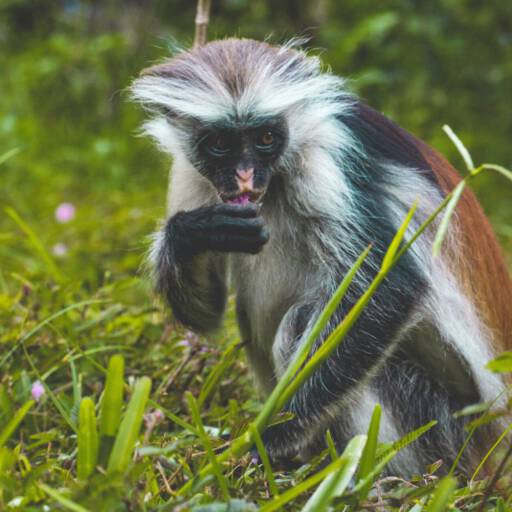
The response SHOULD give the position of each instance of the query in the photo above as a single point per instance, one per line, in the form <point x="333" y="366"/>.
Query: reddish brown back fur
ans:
<point x="480" y="265"/>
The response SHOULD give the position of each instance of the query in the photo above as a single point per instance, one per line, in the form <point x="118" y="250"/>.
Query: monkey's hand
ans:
<point x="282" y="442"/>
<point x="221" y="227"/>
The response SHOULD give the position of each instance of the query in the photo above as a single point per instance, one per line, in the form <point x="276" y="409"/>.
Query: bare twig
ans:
<point x="202" y="20"/>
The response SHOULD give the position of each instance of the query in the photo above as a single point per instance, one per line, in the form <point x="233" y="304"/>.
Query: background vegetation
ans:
<point x="64" y="111"/>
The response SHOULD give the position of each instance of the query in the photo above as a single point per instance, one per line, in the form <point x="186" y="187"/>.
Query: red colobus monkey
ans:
<point x="280" y="179"/>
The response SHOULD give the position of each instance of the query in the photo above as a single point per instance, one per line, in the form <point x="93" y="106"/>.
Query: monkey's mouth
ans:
<point x="244" y="198"/>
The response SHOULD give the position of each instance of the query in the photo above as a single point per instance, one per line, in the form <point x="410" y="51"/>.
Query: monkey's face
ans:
<point x="239" y="160"/>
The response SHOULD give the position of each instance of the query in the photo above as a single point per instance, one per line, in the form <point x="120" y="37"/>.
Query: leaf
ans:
<point x="130" y="427"/>
<point x="460" y="147"/>
<point x="13" y="423"/>
<point x="501" y="364"/>
<point x="368" y="459"/>
<point x="445" y="221"/>
<point x="87" y="439"/>
<point x="112" y="400"/>
<point x="335" y="484"/>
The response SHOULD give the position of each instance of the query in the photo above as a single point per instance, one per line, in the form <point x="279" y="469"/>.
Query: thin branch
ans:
<point x="202" y="20"/>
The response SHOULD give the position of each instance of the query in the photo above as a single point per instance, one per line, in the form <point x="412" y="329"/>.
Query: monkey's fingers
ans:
<point x="248" y="210"/>
<point x="239" y="243"/>
<point x="237" y="226"/>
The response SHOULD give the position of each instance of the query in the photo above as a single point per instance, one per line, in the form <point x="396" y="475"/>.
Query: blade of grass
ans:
<point x="330" y="445"/>
<point x="63" y="410"/>
<point x="36" y="243"/>
<point x="490" y="452"/>
<point x="409" y="438"/>
<point x="13" y="423"/>
<point x="443" y="493"/>
<point x="387" y="261"/>
<point x="265" y="460"/>
<point x="129" y="428"/>
<point x="213" y="378"/>
<point x="460" y="147"/>
<point x="87" y="457"/>
<point x="112" y="400"/>
<point x="368" y="458"/>
<point x="498" y="168"/>
<point x="445" y="221"/>
<point x="335" y="484"/>
<point x="205" y="441"/>
<point x="65" y="502"/>
<point x="8" y="155"/>
<point x="302" y="487"/>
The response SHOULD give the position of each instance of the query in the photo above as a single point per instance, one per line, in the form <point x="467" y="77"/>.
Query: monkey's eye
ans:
<point x="266" y="141"/>
<point x="218" y="145"/>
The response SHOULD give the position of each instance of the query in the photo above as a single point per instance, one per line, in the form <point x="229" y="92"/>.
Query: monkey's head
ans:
<point x="240" y="111"/>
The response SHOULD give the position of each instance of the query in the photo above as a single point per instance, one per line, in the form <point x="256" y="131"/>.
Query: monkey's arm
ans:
<point x="368" y="343"/>
<point x="190" y="271"/>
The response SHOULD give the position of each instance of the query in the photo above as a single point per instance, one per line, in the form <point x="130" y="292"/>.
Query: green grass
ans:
<point x="104" y="436"/>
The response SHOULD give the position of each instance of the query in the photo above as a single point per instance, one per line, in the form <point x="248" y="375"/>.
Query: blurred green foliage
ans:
<point x="66" y="66"/>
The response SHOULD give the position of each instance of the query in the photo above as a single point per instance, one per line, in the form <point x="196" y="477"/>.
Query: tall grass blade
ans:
<point x="302" y="487"/>
<point x="62" y="500"/>
<point x="129" y="428"/>
<point x="36" y="243"/>
<point x="87" y="439"/>
<point x="112" y="400"/>
<point x="445" y="221"/>
<point x="13" y="423"/>
<point x="265" y="460"/>
<point x="491" y="451"/>
<point x="498" y="168"/>
<point x="214" y="377"/>
<point x="368" y="459"/>
<point x="8" y="155"/>
<point x="442" y="495"/>
<point x="6" y="405"/>
<point x="203" y="436"/>
<point x="335" y="484"/>
<point x="389" y="257"/>
<point x="460" y="147"/>
<point x="409" y="438"/>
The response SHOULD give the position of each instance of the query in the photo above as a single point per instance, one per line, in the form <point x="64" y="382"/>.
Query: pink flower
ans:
<point x="60" y="249"/>
<point x="65" y="212"/>
<point x="37" y="390"/>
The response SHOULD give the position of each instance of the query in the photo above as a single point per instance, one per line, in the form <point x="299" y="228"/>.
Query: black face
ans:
<point x="238" y="160"/>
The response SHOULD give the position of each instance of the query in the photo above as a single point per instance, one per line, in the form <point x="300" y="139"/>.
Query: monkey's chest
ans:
<point x="267" y="285"/>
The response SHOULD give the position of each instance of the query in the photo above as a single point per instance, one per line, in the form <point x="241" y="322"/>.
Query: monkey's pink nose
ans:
<point x="245" y="174"/>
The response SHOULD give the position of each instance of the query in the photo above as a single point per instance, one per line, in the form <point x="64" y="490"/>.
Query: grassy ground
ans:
<point x="72" y="296"/>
